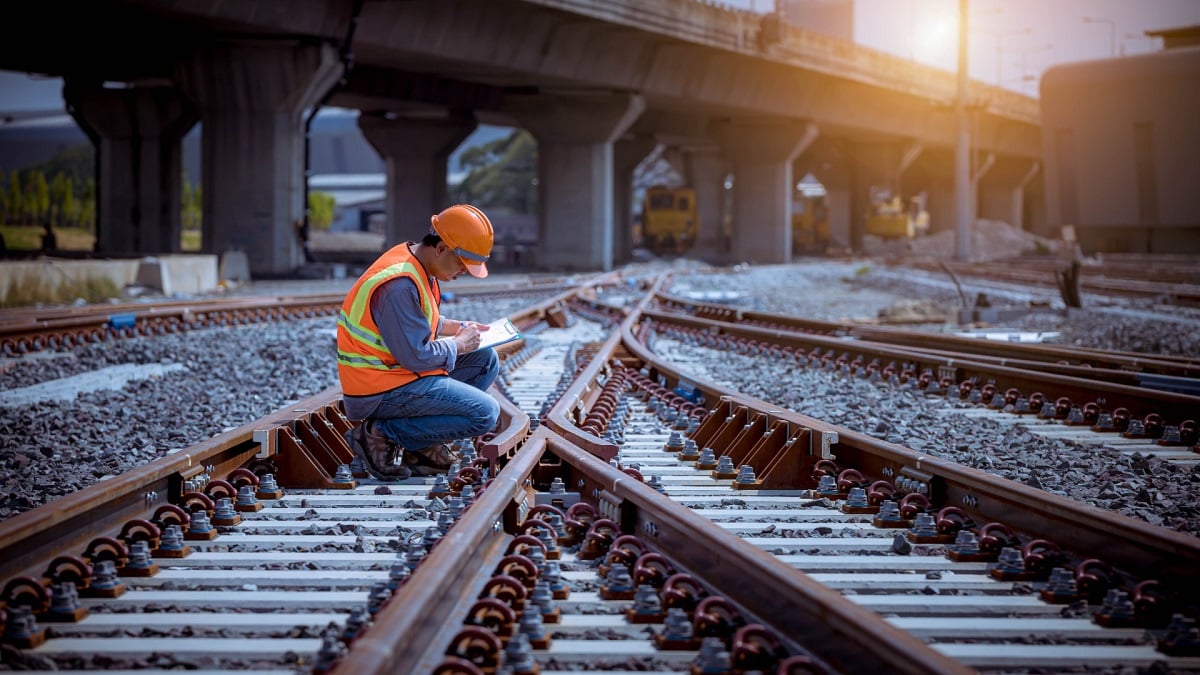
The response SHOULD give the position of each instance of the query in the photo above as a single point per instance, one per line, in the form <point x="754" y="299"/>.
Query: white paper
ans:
<point x="499" y="332"/>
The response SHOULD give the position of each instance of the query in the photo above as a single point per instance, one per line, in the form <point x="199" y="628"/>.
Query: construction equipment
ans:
<point x="891" y="219"/>
<point x="810" y="225"/>
<point x="669" y="220"/>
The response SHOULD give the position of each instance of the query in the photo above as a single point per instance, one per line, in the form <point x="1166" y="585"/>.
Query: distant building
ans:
<point x="357" y="197"/>
<point x="1120" y="140"/>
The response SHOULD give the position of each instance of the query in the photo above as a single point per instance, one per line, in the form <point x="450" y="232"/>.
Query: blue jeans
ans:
<point x="439" y="409"/>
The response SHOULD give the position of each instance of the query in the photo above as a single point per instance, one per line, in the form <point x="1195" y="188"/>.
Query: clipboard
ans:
<point x="499" y="332"/>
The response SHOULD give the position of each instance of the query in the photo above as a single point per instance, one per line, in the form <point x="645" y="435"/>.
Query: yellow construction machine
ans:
<point x="891" y="219"/>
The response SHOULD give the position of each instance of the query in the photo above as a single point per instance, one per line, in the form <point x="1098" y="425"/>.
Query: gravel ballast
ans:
<point x="217" y="379"/>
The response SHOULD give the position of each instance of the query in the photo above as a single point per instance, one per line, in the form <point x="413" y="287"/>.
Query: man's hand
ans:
<point x="467" y="337"/>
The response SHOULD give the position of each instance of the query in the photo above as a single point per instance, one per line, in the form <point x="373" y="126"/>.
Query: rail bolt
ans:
<point x="677" y="632"/>
<point x="647" y="607"/>
<point x="543" y="598"/>
<point x="21" y="629"/>
<point x="1181" y="638"/>
<point x="1061" y="588"/>
<point x="713" y="657"/>
<point x="518" y="656"/>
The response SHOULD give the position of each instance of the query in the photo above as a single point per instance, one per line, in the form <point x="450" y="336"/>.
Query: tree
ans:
<point x="321" y="208"/>
<point x="191" y="208"/>
<point x="77" y="162"/>
<point x="41" y="196"/>
<point x="15" y="207"/>
<point x="502" y="174"/>
<point x="58" y="195"/>
<point x="87" y="206"/>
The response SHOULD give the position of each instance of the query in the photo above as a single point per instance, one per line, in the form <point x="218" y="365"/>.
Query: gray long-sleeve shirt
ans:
<point x="396" y="308"/>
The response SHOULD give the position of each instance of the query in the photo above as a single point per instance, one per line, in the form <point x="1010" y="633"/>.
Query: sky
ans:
<point x="1011" y="42"/>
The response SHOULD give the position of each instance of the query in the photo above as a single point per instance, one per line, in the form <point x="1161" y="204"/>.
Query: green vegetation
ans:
<point x="67" y="201"/>
<point x="32" y="289"/>
<point x="29" y="238"/>
<point x="862" y="270"/>
<point x="321" y="206"/>
<point x="501" y="174"/>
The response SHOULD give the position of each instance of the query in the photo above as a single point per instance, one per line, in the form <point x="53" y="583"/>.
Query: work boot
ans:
<point x="377" y="451"/>
<point x="430" y="461"/>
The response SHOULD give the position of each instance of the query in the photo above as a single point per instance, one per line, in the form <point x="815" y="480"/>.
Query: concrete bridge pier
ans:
<point x="575" y="135"/>
<point x="252" y="97"/>
<point x="762" y="153"/>
<point x="138" y="133"/>
<point x="628" y="152"/>
<point x="1001" y="192"/>
<point x="703" y="169"/>
<point x="706" y="169"/>
<point x="416" y="152"/>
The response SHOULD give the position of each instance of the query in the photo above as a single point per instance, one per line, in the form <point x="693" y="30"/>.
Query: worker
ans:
<point x="413" y="378"/>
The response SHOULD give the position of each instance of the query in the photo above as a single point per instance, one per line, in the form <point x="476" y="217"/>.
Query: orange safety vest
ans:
<point x="365" y="365"/>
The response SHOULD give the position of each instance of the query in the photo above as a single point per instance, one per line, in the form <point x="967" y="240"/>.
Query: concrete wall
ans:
<point x="1121" y="143"/>
<point x="169" y="274"/>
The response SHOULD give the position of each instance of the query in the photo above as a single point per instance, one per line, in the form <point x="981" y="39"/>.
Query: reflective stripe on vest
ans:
<point x="365" y="364"/>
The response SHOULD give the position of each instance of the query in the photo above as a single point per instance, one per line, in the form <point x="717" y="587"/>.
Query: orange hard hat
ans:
<point x="468" y="232"/>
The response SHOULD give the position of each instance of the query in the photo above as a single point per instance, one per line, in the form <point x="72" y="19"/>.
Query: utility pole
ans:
<point x="962" y="147"/>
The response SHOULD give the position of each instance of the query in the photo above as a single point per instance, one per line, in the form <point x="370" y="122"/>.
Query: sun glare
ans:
<point x="935" y="40"/>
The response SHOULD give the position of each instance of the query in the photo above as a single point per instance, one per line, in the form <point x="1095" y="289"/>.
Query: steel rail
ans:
<point x="1047" y="353"/>
<point x="848" y="637"/>
<point x="29" y="540"/>
<point x="1187" y="292"/>
<point x="1089" y="532"/>
<point x="1175" y="407"/>
<point x="409" y="628"/>
<point x="23" y="330"/>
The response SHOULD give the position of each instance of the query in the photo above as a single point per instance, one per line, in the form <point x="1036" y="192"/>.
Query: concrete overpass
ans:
<point x="599" y="83"/>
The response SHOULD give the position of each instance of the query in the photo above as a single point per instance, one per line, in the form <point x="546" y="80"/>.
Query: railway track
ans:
<point x="1172" y="279"/>
<point x="1124" y="401"/>
<point x="795" y="547"/>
